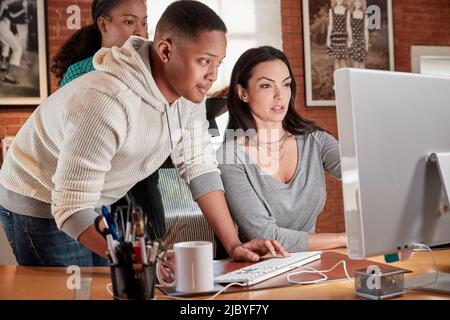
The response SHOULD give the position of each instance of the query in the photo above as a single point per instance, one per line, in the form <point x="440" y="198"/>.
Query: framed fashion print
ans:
<point x="23" y="64"/>
<point x="344" y="33"/>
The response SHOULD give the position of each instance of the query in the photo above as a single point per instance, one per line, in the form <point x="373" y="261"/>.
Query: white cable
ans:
<point x="436" y="271"/>
<point x="310" y="270"/>
<point x="211" y="297"/>
<point x="109" y="285"/>
<point x="325" y="277"/>
<point x="225" y="288"/>
<point x="110" y="291"/>
<point x="321" y="272"/>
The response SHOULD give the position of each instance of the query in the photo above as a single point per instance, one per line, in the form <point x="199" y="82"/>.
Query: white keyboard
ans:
<point x="269" y="268"/>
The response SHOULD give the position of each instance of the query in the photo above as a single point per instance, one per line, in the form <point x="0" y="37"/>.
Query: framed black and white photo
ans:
<point x="23" y="64"/>
<point x="344" y="33"/>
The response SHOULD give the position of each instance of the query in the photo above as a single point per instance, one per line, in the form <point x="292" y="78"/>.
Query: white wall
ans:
<point x="439" y="66"/>
<point x="431" y="60"/>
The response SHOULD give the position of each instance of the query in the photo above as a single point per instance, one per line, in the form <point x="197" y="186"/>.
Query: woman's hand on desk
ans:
<point x="249" y="251"/>
<point x="254" y="249"/>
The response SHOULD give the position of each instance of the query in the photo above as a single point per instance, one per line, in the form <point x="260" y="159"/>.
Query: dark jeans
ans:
<point x="39" y="242"/>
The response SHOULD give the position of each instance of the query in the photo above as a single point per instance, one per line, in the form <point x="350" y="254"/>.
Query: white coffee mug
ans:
<point x="193" y="267"/>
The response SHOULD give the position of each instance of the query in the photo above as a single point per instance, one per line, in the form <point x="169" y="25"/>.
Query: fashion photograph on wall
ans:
<point x="344" y="33"/>
<point x="23" y="62"/>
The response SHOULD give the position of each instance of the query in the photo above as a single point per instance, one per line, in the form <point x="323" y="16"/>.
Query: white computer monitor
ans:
<point x="389" y="124"/>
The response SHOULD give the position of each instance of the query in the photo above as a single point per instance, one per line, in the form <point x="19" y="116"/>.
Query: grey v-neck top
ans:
<point x="266" y="208"/>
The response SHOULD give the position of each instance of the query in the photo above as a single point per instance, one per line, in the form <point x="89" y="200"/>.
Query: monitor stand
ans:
<point x="442" y="161"/>
<point x="442" y="285"/>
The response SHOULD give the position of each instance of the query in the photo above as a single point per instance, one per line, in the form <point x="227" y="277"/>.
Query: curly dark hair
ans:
<point x="85" y="42"/>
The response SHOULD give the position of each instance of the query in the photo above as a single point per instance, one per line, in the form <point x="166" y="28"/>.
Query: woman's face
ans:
<point x="127" y="19"/>
<point x="268" y="92"/>
<point x="339" y="2"/>
<point x="358" y="4"/>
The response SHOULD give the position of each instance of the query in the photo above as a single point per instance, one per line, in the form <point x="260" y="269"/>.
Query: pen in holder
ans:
<point x="133" y="258"/>
<point x="135" y="281"/>
<point x="132" y="278"/>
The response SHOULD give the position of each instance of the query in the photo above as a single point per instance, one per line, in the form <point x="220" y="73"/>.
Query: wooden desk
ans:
<point x="48" y="283"/>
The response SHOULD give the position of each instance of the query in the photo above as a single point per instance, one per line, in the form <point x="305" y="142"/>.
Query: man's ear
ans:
<point x="242" y="93"/>
<point x="102" y="24"/>
<point x="165" y="49"/>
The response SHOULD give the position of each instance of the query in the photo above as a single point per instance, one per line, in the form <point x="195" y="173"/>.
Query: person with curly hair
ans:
<point x="114" y="21"/>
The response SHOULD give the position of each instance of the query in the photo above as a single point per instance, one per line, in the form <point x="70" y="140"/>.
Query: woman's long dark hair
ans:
<point x="240" y="116"/>
<point x="85" y="42"/>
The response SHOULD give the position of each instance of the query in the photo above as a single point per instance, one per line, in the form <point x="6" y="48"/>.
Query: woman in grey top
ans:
<point x="273" y="161"/>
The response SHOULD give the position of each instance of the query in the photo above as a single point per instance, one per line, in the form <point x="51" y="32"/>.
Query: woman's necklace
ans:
<point x="272" y="142"/>
<point x="268" y="147"/>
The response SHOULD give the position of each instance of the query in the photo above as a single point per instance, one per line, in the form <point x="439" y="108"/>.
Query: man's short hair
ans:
<point x="186" y="19"/>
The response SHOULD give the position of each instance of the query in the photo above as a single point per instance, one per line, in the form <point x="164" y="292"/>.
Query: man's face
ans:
<point x="193" y="65"/>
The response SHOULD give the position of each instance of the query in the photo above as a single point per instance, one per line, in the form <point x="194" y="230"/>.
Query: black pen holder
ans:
<point x="136" y="282"/>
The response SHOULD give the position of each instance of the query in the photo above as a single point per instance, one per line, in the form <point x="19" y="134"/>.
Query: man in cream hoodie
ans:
<point x="92" y="140"/>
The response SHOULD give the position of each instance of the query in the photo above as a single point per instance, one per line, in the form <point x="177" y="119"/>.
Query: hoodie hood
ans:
<point x="131" y="64"/>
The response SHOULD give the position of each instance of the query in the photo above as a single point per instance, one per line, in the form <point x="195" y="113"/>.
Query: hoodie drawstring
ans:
<point x="182" y="143"/>
<point x="182" y="140"/>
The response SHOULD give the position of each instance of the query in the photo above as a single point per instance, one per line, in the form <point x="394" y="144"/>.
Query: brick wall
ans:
<point x="416" y="22"/>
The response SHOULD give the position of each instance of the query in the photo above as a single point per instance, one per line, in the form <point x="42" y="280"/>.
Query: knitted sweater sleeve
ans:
<point x="195" y="156"/>
<point x="94" y="128"/>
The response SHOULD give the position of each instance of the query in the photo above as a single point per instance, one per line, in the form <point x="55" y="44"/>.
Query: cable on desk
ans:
<point x="321" y="272"/>
<point x="110" y="291"/>
<point x="325" y="277"/>
<point x="109" y="286"/>
<point x="419" y="246"/>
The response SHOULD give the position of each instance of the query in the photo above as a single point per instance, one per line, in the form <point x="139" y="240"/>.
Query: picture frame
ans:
<point x="324" y="43"/>
<point x="24" y="71"/>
